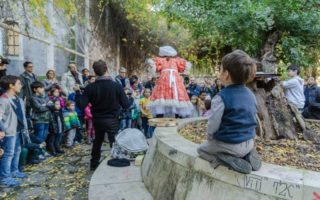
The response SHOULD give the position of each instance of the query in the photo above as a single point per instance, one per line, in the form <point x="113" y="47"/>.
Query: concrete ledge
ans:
<point x="117" y="183"/>
<point x="172" y="170"/>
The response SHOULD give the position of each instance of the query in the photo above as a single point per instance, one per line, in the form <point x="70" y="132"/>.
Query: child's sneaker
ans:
<point x="9" y="182"/>
<point x="89" y="141"/>
<point x="59" y="151"/>
<point x="42" y="157"/>
<point x="238" y="164"/>
<point x="254" y="159"/>
<point x="19" y="175"/>
<point x="47" y="155"/>
<point x="34" y="161"/>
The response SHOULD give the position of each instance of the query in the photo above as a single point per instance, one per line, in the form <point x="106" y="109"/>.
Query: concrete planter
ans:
<point x="172" y="170"/>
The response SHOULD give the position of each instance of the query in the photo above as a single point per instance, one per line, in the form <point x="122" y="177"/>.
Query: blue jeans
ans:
<point x="41" y="131"/>
<point x="9" y="162"/>
<point x="125" y="123"/>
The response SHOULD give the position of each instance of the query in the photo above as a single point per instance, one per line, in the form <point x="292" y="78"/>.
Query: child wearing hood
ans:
<point x="56" y="129"/>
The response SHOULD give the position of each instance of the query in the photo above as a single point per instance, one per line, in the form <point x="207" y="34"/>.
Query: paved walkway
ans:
<point x="64" y="177"/>
<point x="117" y="183"/>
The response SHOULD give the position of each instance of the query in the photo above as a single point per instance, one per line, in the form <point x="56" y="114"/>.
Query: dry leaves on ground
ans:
<point x="297" y="153"/>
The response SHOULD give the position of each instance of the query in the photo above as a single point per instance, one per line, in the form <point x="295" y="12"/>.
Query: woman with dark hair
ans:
<point x="218" y="87"/>
<point x="3" y="66"/>
<point x="135" y="85"/>
<point x="3" y="70"/>
<point x="50" y="82"/>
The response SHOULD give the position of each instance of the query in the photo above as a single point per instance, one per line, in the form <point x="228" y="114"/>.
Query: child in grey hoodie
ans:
<point x="294" y="87"/>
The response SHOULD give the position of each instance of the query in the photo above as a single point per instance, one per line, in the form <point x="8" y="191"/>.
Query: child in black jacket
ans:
<point x="126" y="114"/>
<point x="56" y="129"/>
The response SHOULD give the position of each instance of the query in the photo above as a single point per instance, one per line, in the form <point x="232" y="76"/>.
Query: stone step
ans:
<point x="117" y="183"/>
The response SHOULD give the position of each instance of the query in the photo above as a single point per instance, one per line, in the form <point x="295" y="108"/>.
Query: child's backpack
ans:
<point x="129" y="143"/>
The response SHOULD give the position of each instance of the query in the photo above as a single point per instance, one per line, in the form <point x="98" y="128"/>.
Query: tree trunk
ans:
<point x="275" y="116"/>
<point x="277" y="119"/>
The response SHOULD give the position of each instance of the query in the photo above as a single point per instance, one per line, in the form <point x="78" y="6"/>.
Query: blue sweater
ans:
<point x="238" y="122"/>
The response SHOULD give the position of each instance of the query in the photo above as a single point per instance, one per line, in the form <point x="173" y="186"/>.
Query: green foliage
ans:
<point x="230" y="24"/>
<point x="38" y="8"/>
<point x="71" y="10"/>
<point x="205" y="30"/>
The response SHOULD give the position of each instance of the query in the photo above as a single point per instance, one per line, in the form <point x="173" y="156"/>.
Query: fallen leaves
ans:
<point x="297" y="153"/>
<point x="63" y="177"/>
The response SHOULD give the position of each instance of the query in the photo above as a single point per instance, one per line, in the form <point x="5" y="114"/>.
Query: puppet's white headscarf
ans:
<point x="167" y="51"/>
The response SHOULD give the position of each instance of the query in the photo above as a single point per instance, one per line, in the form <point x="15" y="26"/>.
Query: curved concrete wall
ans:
<point x="172" y="170"/>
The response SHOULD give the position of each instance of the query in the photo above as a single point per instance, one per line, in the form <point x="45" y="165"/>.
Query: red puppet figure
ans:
<point x="169" y="97"/>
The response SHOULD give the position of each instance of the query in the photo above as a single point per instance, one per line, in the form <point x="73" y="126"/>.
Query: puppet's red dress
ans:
<point x="169" y="97"/>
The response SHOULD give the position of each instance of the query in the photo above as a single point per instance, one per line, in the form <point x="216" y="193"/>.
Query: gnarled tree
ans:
<point x="274" y="32"/>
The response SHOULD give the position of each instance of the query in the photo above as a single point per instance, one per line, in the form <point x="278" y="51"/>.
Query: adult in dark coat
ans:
<point x="3" y="70"/>
<point x="106" y="97"/>
<point x="312" y="104"/>
<point x="27" y="78"/>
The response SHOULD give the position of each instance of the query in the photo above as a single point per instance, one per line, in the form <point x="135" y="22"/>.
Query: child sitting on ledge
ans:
<point x="232" y="124"/>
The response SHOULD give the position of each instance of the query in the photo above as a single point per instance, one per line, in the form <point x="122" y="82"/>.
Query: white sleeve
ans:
<point x="151" y="65"/>
<point x="188" y="67"/>
<point x="291" y="83"/>
<point x="214" y="121"/>
<point x="64" y="84"/>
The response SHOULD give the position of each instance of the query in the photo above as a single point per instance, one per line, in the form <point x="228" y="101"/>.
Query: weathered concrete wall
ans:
<point x="173" y="170"/>
<point x="104" y="44"/>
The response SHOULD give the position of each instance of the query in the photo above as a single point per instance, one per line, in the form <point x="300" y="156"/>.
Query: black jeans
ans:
<point x="79" y="136"/>
<point x="102" y="126"/>
<point x="28" y="117"/>
<point x="54" y="142"/>
<point x="145" y="126"/>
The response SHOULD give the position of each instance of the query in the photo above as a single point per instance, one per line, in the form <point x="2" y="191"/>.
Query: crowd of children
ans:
<point x="38" y="117"/>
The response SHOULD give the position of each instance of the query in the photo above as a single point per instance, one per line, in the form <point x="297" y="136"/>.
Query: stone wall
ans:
<point x="103" y="44"/>
<point x="172" y="170"/>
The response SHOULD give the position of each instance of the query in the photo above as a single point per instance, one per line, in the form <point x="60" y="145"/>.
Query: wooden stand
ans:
<point x="163" y="122"/>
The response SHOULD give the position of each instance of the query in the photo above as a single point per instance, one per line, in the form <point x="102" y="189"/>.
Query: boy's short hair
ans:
<point x="240" y="66"/>
<point x="146" y="89"/>
<point x="71" y="63"/>
<point x="25" y="64"/>
<point x="35" y="85"/>
<point x="100" y="67"/>
<point x="8" y="80"/>
<point x="55" y="101"/>
<point x="294" y="67"/>
<point x="85" y="69"/>
<point x="69" y="103"/>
